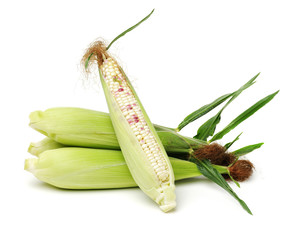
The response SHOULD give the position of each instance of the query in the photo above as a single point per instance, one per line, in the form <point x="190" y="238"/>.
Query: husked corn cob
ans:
<point x="141" y="147"/>
<point x="88" y="128"/>
<point x="87" y="168"/>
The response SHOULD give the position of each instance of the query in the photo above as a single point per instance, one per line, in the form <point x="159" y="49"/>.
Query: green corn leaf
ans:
<point x="208" y="128"/>
<point x="202" y="111"/>
<point x="247" y="149"/>
<point x="120" y="35"/>
<point x="242" y="88"/>
<point x="129" y="29"/>
<point x="232" y="179"/>
<point x="208" y="107"/>
<point x="228" y="145"/>
<point x="242" y="117"/>
<point x="206" y="168"/>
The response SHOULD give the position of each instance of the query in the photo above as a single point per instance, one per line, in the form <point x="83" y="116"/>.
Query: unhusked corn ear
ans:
<point x="75" y="127"/>
<point x="86" y="168"/>
<point x="141" y="147"/>
<point x="87" y="128"/>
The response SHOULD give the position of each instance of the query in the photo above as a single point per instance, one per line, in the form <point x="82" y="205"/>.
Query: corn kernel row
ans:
<point x="126" y="101"/>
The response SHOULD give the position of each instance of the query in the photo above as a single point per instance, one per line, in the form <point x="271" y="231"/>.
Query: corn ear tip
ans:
<point x="35" y="116"/>
<point x="29" y="149"/>
<point x="29" y="164"/>
<point x="168" y="207"/>
<point x="32" y="149"/>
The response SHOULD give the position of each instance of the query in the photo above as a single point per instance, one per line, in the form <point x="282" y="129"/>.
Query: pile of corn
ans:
<point x="86" y="149"/>
<point x="81" y="151"/>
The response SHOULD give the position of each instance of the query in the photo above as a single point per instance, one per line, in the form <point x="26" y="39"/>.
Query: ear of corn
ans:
<point x="141" y="147"/>
<point x="86" y="168"/>
<point x="88" y="128"/>
<point x="75" y="127"/>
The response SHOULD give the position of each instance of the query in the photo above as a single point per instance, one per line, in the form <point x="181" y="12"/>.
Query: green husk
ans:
<point x="36" y="148"/>
<point x="85" y="168"/>
<point x="87" y="128"/>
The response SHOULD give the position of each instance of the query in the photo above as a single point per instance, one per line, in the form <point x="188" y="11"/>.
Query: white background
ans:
<point x="186" y="55"/>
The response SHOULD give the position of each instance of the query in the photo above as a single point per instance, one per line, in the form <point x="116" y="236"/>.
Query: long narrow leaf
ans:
<point x="129" y="29"/>
<point x="242" y="88"/>
<point x="203" y="110"/>
<point x="208" y="128"/>
<point x="242" y="117"/>
<point x="245" y="150"/>
<point x="228" y="145"/>
<point x="206" y="168"/>
<point x="208" y="107"/>
<point x="119" y="36"/>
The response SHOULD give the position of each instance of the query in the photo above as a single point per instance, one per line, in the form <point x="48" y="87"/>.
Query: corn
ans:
<point x="141" y="147"/>
<point x="76" y="127"/>
<point x="87" y="128"/>
<point x="86" y="168"/>
<point x="46" y="144"/>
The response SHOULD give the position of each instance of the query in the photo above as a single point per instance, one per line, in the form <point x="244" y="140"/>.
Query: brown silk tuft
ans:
<point x="216" y="154"/>
<point x="95" y="53"/>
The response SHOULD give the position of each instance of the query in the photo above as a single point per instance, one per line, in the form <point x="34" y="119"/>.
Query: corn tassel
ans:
<point x="87" y="128"/>
<point x="142" y="149"/>
<point x="86" y="168"/>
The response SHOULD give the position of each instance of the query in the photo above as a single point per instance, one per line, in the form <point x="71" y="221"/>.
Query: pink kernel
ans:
<point x="129" y="107"/>
<point x="136" y="120"/>
<point x="130" y="121"/>
<point x="120" y="89"/>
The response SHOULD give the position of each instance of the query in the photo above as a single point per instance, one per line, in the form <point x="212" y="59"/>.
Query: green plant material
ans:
<point x="242" y="117"/>
<point x="232" y="179"/>
<point x="129" y="29"/>
<point x="87" y="61"/>
<point x="245" y="150"/>
<point x="208" y="128"/>
<point x="119" y="36"/>
<point x="76" y="127"/>
<point x="202" y="111"/>
<point x="228" y="145"/>
<point x="207" y="169"/>
<point x="35" y="148"/>
<point x="87" y="168"/>
<point x="87" y="128"/>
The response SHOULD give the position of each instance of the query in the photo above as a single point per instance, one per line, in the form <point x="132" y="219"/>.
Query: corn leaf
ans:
<point x="206" y="168"/>
<point x="245" y="150"/>
<point x="208" y="107"/>
<point x="208" y="128"/>
<point x="203" y="110"/>
<point x="242" y="117"/>
<point x="228" y="145"/>
<point x="129" y="29"/>
<point x="120" y="35"/>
